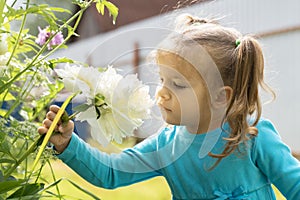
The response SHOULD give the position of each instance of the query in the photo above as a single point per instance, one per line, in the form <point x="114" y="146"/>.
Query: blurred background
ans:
<point x="141" y="25"/>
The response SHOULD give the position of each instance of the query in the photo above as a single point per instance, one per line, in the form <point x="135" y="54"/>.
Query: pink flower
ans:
<point x="45" y="34"/>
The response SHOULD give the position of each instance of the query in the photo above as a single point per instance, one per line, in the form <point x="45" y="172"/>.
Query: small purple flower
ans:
<point x="57" y="39"/>
<point x="45" y="34"/>
<point x="42" y="36"/>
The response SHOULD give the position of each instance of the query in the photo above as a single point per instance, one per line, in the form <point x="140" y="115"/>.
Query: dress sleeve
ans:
<point x="275" y="160"/>
<point x="111" y="170"/>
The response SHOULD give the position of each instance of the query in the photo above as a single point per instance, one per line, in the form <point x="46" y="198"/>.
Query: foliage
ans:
<point x="27" y="86"/>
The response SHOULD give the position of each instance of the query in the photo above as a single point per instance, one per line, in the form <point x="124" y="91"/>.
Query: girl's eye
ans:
<point x="181" y="86"/>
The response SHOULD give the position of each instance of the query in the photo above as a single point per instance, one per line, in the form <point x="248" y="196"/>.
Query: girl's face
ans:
<point x="183" y="97"/>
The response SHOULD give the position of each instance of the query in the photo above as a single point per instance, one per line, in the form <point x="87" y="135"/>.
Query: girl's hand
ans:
<point x="65" y="130"/>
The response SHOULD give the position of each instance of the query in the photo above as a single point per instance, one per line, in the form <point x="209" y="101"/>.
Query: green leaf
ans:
<point x="58" y="9"/>
<point x="81" y="107"/>
<point x="113" y="10"/>
<point x="100" y="7"/>
<point x="3" y="112"/>
<point x="56" y="61"/>
<point x="5" y="148"/>
<point x="9" y="185"/>
<point x="75" y="185"/>
<point x="6" y="160"/>
<point x="83" y="190"/>
<point x="2" y="4"/>
<point x="17" y="13"/>
<point x="27" y="190"/>
<point x="64" y="118"/>
<point x="6" y="96"/>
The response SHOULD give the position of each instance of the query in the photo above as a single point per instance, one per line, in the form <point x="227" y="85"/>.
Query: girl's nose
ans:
<point x="163" y="93"/>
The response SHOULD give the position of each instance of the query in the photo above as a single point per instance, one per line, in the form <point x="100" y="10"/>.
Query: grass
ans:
<point x="155" y="188"/>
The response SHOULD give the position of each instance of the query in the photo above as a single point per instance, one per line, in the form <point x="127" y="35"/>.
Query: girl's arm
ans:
<point x="275" y="160"/>
<point x="101" y="169"/>
<point x="110" y="170"/>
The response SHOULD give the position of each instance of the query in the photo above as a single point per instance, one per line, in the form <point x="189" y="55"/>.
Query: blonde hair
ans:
<point x="240" y="62"/>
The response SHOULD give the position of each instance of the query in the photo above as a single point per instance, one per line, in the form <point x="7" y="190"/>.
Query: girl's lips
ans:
<point x="165" y="109"/>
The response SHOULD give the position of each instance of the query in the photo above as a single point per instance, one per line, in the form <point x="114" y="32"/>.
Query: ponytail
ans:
<point x="248" y="67"/>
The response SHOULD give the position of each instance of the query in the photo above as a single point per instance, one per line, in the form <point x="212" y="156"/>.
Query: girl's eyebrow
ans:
<point x="174" y="77"/>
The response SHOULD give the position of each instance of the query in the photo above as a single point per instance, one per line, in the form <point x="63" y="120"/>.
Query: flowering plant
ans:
<point x="27" y="88"/>
<point x="115" y="106"/>
<point x="45" y="34"/>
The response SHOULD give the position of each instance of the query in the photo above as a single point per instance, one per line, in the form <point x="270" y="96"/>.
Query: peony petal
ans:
<point x="97" y="133"/>
<point x="89" y="114"/>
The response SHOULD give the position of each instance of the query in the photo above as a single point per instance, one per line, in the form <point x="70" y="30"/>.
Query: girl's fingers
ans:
<point x="54" y="108"/>
<point x="47" y="123"/>
<point x="42" y="130"/>
<point x="50" y="115"/>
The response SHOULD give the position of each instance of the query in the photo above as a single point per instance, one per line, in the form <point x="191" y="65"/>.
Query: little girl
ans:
<point x="218" y="146"/>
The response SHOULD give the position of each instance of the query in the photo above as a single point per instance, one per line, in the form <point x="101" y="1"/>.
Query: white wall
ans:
<point x="282" y="51"/>
<point x="283" y="69"/>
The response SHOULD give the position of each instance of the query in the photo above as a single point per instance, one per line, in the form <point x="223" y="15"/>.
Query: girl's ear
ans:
<point x="223" y="96"/>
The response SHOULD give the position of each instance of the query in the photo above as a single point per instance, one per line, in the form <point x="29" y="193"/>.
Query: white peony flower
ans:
<point x="117" y="105"/>
<point x="131" y="103"/>
<point x="79" y="78"/>
<point x="107" y="83"/>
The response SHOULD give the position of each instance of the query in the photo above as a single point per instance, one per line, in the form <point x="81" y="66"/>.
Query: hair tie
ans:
<point x="237" y="42"/>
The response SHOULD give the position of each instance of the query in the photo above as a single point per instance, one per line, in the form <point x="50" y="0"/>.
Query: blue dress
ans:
<point x="181" y="157"/>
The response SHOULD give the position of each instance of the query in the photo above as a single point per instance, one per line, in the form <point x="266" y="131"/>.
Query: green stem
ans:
<point x="54" y="178"/>
<point x="73" y="115"/>
<point x="39" y="173"/>
<point x="26" y="163"/>
<point x="13" y="3"/>
<point x="2" y="4"/>
<point x="19" y="35"/>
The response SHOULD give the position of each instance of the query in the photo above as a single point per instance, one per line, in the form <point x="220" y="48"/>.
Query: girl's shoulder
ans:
<point x="267" y="133"/>
<point x="268" y="142"/>
<point x="266" y="128"/>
